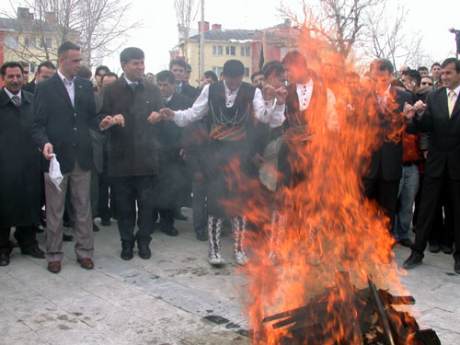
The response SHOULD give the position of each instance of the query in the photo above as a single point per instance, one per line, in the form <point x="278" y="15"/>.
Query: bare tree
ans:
<point x="186" y="12"/>
<point x="341" y="22"/>
<point x="390" y="39"/>
<point x="96" y="25"/>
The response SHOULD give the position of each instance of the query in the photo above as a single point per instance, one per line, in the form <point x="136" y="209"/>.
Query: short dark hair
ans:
<point x="413" y="74"/>
<point x="66" y="46"/>
<point x="211" y="75"/>
<point x="10" y="64"/>
<point x="448" y="61"/>
<point x="47" y="64"/>
<point x="131" y="53"/>
<point x="84" y="72"/>
<point x="255" y="74"/>
<point x="166" y="76"/>
<point x="100" y="68"/>
<point x="178" y="62"/>
<point x="273" y="67"/>
<point x="383" y="65"/>
<point x="423" y="68"/>
<point x="435" y="64"/>
<point x="109" y="74"/>
<point x="233" y="69"/>
<point x="295" y="58"/>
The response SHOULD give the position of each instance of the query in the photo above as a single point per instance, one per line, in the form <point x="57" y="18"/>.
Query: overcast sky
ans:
<point x="159" y="31"/>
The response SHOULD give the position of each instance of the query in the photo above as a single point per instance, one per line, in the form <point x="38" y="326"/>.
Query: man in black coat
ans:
<point x="65" y="110"/>
<point x="20" y="167"/>
<point x="173" y="181"/>
<point x="381" y="181"/>
<point x="133" y="150"/>
<point x="440" y="118"/>
<point x="44" y="71"/>
<point x="179" y="68"/>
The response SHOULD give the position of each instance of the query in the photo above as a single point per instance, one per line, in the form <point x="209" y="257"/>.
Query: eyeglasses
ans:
<point x="429" y="84"/>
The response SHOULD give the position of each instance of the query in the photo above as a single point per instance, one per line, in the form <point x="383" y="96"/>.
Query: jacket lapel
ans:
<point x="456" y="111"/>
<point x="78" y="91"/>
<point x="62" y="90"/>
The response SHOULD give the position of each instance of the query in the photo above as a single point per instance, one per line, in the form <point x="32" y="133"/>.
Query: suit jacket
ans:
<point x="189" y="91"/>
<point x="20" y="185"/>
<point x="386" y="162"/>
<point x="30" y="87"/>
<point x="63" y="125"/>
<point x="444" y="135"/>
<point x="132" y="150"/>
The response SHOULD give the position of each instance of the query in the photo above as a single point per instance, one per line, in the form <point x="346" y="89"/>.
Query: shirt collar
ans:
<point x="168" y="99"/>
<point x="64" y="78"/>
<point x="11" y="95"/>
<point x="228" y="91"/>
<point x="456" y="90"/>
<point x="129" y="82"/>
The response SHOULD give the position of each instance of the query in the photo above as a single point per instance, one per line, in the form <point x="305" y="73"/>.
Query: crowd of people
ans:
<point x="138" y="147"/>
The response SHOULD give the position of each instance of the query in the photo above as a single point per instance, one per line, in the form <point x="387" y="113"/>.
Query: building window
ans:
<point x="217" y="50"/>
<point x="246" y="72"/>
<point x="218" y="70"/>
<point x="27" y="42"/>
<point x="11" y="42"/>
<point x="245" y="51"/>
<point x="32" y="67"/>
<point x="230" y="50"/>
<point x="46" y="43"/>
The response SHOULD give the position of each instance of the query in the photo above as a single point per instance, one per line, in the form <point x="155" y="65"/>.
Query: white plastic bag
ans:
<point x="55" y="172"/>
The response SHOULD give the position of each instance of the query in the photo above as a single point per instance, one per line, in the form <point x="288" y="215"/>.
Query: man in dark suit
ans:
<point x="44" y="71"/>
<point x="173" y="181"/>
<point x="179" y="68"/>
<point x="133" y="150"/>
<point x="65" y="110"/>
<point x="381" y="182"/>
<point x="20" y="161"/>
<point x="440" y="118"/>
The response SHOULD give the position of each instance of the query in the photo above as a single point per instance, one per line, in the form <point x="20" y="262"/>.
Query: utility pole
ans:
<point x="201" y="69"/>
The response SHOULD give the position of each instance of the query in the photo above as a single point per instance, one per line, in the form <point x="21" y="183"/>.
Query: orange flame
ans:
<point x="323" y="225"/>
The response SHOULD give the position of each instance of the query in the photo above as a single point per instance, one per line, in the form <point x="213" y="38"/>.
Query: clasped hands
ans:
<point x="410" y="110"/>
<point x="270" y="93"/>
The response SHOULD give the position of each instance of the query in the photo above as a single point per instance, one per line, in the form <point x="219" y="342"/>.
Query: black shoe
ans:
<point x="406" y="243"/>
<point x="67" y="238"/>
<point x="202" y="236"/>
<point x="106" y="222"/>
<point x="179" y="215"/>
<point x="457" y="266"/>
<point x="127" y="251"/>
<point x="95" y="227"/>
<point x="415" y="259"/>
<point x="447" y="249"/>
<point x="144" y="250"/>
<point x="34" y="252"/>
<point x="170" y="231"/>
<point x="434" y="248"/>
<point x="4" y="259"/>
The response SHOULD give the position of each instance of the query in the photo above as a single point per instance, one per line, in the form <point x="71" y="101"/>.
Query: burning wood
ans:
<point x="376" y="321"/>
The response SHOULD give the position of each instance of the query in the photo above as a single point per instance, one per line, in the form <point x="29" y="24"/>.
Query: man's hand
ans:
<point x="48" y="151"/>
<point x="119" y="120"/>
<point x="419" y="107"/>
<point x="281" y="94"/>
<point x="167" y="114"/>
<point x="106" y="123"/>
<point x="154" y="117"/>
<point x="268" y="92"/>
<point x="408" y="111"/>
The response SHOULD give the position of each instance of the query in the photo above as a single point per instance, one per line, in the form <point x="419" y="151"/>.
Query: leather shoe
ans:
<point x="127" y="251"/>
<point x="34" y="252"/>
<point x="86" y="263"/>
<point x="54" y="266"/>
<point x="434" y="248"/>
<point x="67" y="238"/>
<point x="4" y="259"/>
<point x="170" y="231"/>
<point x="447" y="249"/>
<point x="415" y="259"/>
<point x="406" y="243"/>
<point x="457" y="266"/>
<point x="144" y="250"/>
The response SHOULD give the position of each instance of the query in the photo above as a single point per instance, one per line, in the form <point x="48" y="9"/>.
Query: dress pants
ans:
<point x="25" y="235"/>
<point x="385" y="193"/>
<point x="431" y="194"/>
<point x="129" y="190"/>
<point x="79" y="181"/>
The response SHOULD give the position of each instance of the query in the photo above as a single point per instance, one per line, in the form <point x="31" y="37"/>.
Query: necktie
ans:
<point x="16" y="101"/>
<point x="133" y="86"/>
<point x="451" y="101"/>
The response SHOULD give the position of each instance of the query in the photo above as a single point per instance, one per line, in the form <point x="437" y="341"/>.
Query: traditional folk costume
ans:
<point x="231" y="116"/>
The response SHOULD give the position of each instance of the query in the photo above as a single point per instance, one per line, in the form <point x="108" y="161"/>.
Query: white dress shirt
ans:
<point x="304" y="93"/>
<point x="69" y="86"/>
<point x="454" y="100"/>
<point x="11" y="95"/>
<point x="265" y="111"/>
